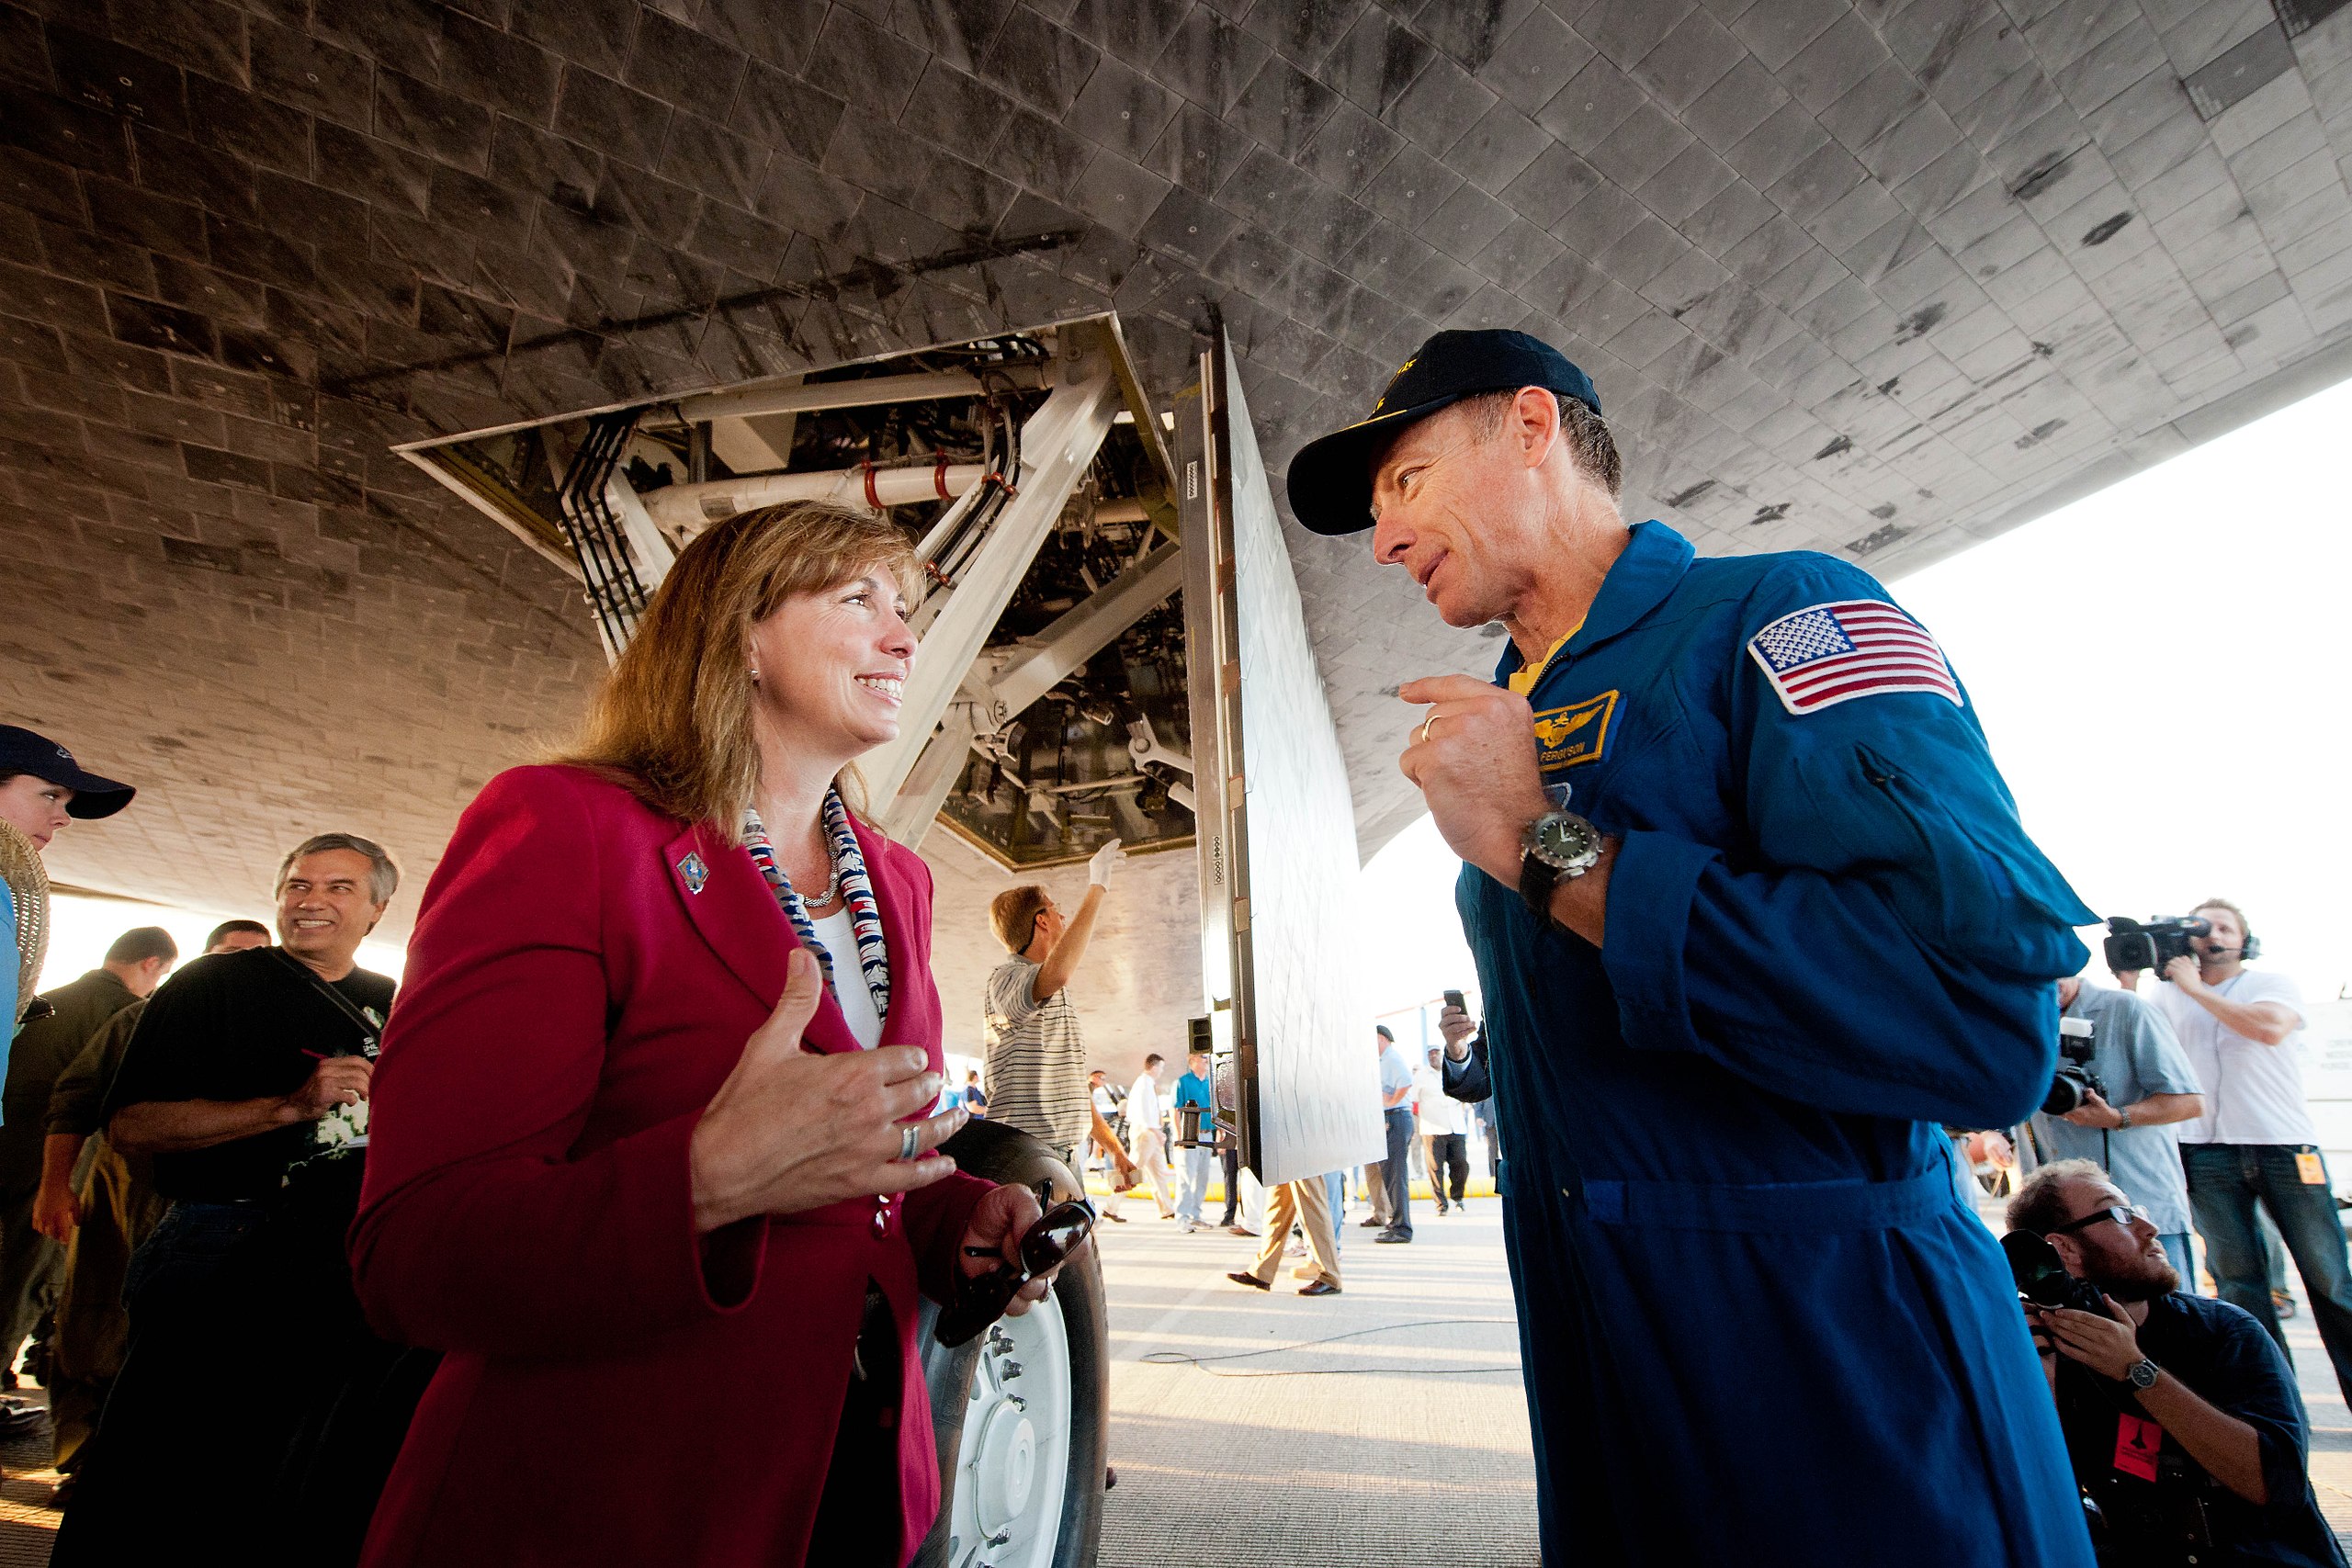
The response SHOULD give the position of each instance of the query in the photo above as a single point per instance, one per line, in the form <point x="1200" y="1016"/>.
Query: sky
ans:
<point x="2162" y="671"/>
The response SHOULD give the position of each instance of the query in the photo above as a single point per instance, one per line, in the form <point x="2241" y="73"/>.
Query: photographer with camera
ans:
<point x="2181" y="1419"/>
<point x="2255" y="1142"/>
<point x="2122" y="1085"/>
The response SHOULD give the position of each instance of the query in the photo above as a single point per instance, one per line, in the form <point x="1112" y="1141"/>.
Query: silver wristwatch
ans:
<point x="2143" y="1373"/>
<point x="1553" y="848"/>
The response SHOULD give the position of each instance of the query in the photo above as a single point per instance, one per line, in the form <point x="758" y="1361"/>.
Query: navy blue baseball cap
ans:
<point x="1330" y="478"/>
<point x="22" y="752"/>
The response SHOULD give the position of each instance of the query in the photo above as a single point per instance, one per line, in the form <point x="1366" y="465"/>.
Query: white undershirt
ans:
<point x="840" y="943"/>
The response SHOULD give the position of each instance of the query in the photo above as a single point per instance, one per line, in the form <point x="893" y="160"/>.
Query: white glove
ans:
<point x="1098" y="869"/>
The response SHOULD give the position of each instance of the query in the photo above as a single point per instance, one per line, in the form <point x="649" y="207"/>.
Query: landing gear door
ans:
<point x="1280" y="936"/>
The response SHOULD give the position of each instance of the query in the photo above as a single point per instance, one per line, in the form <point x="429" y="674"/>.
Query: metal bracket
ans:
<point x="1058" y="446"/>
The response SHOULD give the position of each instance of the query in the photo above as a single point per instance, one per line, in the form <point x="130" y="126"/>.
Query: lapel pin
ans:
<point x="693" y="871"/>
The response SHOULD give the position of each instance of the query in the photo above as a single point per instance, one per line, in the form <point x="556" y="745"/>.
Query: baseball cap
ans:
<point x="1330" y="478"/>
<point x="22" y="752"/>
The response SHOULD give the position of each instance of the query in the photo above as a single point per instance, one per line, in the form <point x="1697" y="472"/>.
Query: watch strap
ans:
<point x="2142" y="1374"/>
<point x="1538" y="879"/>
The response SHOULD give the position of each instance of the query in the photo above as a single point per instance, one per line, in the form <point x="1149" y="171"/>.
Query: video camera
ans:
<point x="2073" y="1082"/>
<point x="2130" y="945"/>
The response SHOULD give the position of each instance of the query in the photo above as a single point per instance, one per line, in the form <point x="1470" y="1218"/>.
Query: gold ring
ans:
<point x="1426" y="725"/>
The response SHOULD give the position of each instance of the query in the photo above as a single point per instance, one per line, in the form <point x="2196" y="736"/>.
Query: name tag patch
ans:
<point x="1565" y="736"/>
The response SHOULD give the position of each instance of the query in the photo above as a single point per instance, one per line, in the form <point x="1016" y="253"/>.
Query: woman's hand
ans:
<point x="793" y="1129"/>
<point x="999" y="1220"/>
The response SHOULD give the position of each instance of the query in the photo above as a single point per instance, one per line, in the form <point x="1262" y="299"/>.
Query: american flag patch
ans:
<point x="1856" y="647"/>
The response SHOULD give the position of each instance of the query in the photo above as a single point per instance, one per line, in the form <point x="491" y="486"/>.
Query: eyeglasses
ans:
<point x="2116" y="1211"/>
<point x="1047" y="1245"/>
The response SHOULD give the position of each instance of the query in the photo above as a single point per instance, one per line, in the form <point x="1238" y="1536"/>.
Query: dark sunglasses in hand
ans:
<point x="1047" y="1244"/>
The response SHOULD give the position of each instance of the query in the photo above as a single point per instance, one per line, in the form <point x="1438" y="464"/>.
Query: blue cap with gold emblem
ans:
<point x="1331" y="479"/>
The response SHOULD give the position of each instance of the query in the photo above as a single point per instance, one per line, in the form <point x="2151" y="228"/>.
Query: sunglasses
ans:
<point x="2116" y="1211"/>
<point x="1045" y="1246"/>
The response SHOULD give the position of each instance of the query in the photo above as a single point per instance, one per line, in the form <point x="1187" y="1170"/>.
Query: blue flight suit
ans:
<point x="1757" y="1324"/>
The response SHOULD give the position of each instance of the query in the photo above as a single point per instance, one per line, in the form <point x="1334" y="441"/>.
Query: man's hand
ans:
<point x="2107" y="1345"/>
<point x="999" y="1220"/>
<point x="1455" y="1025"/>
<point x="2095" y="1112"/>
<point x="338" y="1081"/>
<point x="1473" y="757"/>
<point x="56" y="1211"/>
<point x="2183" y="972"/>
<point x="1099" y="864"/>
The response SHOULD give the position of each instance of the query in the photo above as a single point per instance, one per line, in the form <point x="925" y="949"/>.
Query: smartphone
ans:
<point x="1453" y="999"/>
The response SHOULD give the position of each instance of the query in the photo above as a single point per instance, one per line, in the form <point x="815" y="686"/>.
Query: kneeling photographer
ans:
<point x="2181" y="1416"/>
<point x="2122" y="1085"/>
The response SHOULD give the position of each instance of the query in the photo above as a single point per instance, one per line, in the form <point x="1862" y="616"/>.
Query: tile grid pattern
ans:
<point x="1854" y="276"/>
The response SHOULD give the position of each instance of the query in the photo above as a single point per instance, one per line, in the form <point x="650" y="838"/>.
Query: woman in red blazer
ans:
<point x="642" y="1163"/>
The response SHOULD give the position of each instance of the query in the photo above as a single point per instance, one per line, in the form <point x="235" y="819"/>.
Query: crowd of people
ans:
<point x="605" y="1243"/>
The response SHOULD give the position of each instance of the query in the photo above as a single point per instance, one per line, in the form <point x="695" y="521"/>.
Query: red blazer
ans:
<point x="612" y="1391"/>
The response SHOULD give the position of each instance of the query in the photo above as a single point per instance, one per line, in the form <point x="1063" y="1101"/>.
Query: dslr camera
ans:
<point x="2073" y="1082"/>
<point x="2130" y="945"/>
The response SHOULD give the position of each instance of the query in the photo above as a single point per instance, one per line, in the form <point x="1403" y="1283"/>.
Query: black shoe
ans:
<point x="1116" y="1219"/>
<point x="1394" y="1235"/>
<point x="1368" y="1225"/>
<point x="1320" y="1287"/>
<point x="1110" y="1477"/>
<point x="1251" y="1280"/>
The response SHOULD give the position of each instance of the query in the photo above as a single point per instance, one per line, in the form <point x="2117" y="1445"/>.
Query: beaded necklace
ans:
<point x="850" y="878"/>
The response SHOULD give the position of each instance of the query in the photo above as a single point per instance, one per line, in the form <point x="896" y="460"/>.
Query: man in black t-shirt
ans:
<point x="243" y="1065"/>
<point x="2180" y="1413"/>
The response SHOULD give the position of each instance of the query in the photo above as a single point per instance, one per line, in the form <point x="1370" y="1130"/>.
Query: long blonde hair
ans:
<point x="672" y="720"/>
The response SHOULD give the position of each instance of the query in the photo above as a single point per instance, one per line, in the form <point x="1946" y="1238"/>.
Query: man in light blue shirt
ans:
<point x="2128" y="1132"/>
<point x="1397" y="1113"/>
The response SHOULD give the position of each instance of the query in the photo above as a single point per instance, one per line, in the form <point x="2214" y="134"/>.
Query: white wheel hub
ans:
<point x="1013" y="1465"/>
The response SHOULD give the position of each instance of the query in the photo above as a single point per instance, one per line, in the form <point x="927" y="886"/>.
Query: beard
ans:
<point x="2145" y="1279"/>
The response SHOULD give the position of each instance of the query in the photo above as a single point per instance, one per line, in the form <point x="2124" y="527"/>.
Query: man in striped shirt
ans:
<point x="1036" y="1058"/>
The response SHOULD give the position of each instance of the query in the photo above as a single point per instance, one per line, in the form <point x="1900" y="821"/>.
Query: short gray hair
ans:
<point x="383" y="874"/>
<point x="1590" y="443"/>
<point x="2039" y="1206"/>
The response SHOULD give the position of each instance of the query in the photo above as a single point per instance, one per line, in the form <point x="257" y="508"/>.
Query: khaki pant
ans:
<point x="1308" y="1204"/>
<point x="1376" y="1182"/>
<point x="1151" y="1158"/>
<point x="92" y="1327"/>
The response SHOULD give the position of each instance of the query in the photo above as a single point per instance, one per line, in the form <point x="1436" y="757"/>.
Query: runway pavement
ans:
<point x="1382" y="1426"/>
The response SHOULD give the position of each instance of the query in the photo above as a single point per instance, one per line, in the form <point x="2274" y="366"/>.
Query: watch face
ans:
<point x="1566" y="839"/>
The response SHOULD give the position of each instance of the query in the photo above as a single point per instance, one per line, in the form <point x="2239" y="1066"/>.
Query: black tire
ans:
<point x="1005" y="1154"/>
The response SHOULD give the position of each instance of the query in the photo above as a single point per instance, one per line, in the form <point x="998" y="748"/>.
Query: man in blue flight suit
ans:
<point x="1790" y="927"/>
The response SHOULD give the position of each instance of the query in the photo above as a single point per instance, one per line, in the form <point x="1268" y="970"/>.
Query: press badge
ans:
<point x="2308" y="1166"/>
<point x="2137" y="1441"/>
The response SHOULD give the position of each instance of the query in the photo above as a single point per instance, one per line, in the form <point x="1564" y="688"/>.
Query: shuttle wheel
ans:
<point x="1020" y="1412"/>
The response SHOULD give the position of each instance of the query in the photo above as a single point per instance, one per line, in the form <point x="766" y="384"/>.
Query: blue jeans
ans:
<point x="1335" y="1189"/>
<point x="176" y="1264"/>
<point x="2224" y="1181"/>
<point x="1199" y="1161"/>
